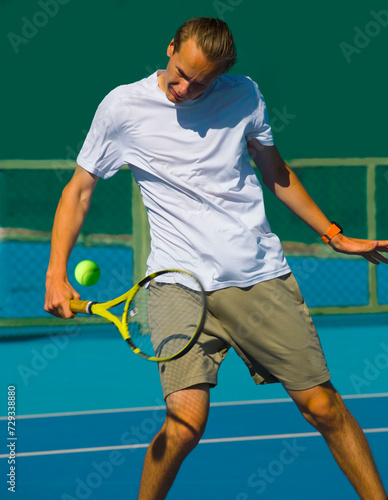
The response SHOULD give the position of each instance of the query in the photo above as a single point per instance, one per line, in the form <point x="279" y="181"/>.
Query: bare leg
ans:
<point x="323" y="407"/>
<point x="186" y="418"/>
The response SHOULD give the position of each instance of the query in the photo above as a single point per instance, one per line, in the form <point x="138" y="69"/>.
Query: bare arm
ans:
<point x="285" y="185"/>
<point x="69" y="218"/>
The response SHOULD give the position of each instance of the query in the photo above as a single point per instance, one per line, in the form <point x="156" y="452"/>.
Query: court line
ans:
<point x="202" y="441"/>
<point x="366" y="396"/>
<point x="88" y="412"/>
<point x="162" y="407"/>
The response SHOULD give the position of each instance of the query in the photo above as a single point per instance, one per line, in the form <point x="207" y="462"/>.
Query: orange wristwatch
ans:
<point x="334" y="229"/>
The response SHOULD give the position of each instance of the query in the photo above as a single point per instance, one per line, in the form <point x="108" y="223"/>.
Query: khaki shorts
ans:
<point x="270" y="328"/>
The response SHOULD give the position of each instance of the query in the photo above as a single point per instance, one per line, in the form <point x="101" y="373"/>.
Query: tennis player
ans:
<point x="187" y="133"/>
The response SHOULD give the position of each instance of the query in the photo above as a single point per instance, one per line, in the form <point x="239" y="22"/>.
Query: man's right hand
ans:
<point x="58" y="296"/>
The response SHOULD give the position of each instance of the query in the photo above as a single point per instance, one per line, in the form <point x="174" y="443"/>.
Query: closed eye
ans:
<point x="185" y="77"/>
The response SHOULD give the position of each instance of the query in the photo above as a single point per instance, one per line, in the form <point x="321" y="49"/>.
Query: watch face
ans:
<point x="339" y="227"/>
<point x="333" y="230"/>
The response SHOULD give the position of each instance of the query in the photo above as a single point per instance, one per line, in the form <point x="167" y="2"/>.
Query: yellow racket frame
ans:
<point x="101" y="309"/>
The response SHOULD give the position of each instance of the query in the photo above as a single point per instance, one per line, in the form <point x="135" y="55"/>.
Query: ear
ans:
<point x="170" y="48"/>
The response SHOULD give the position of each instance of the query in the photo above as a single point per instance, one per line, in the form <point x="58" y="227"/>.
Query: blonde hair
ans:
<point x="212" y="36"/>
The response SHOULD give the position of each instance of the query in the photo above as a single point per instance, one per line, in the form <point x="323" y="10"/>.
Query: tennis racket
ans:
<point x="163" y="314"/>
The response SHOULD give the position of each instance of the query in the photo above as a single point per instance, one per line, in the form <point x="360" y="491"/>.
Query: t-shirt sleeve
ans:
<point x="101" y="152"/>
<point x="259" y="127"/>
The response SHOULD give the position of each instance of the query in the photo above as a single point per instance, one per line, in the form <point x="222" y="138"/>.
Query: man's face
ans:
<point x="188" y="73"/>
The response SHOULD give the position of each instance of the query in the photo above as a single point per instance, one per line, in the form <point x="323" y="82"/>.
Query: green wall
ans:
<point x="322" y="103"/>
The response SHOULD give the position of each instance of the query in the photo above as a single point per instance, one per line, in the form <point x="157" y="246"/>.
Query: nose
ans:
<point x="184" y="87"/>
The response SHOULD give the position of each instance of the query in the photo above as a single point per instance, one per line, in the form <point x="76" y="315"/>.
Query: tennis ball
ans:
<point x="87" y="273"/>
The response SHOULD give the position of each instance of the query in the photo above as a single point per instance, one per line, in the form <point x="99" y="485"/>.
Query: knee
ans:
<point x="183" y="437"/>
<point x="186" y="417"/>
<point x="324" y="411"/>
<point x="183" y="434"/>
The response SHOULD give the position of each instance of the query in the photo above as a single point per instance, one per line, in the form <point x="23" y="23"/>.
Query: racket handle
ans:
<point x="81" y="306"/>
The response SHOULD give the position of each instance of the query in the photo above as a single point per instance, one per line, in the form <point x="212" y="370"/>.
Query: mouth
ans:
<point x="177" y="97"/>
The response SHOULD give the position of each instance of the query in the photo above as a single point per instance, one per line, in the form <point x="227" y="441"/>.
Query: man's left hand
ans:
<point x="368" y="249"/>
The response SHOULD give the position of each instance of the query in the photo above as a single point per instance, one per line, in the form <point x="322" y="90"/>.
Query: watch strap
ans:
<point x="333" y="231"/>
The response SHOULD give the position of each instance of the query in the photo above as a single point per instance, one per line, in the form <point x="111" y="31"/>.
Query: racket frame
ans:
<point x="101" y="309"/>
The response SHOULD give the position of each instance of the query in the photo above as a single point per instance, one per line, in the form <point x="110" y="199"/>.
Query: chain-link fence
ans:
<point x="352" y="192"/>
<point x="112" y="236"/>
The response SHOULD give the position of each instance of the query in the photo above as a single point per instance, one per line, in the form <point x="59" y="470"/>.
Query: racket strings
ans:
<point x="164" y="317"/>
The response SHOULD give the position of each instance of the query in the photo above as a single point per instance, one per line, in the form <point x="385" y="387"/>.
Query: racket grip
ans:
<point x="81" y="306"/>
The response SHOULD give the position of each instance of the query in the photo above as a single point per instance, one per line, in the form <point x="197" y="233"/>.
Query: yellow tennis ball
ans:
<point x="87" y="273"/>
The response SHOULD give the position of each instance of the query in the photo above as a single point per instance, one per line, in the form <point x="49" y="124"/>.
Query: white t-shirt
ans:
<point x="190" y="160"/>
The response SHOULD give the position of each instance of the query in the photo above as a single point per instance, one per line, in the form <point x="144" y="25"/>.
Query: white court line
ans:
<point x="162" y="407"/>
<point x="145" y="408"/>
<point x="366" y="396"/>
<point x="202" y="441"/>
<point x="88" y="412"/>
